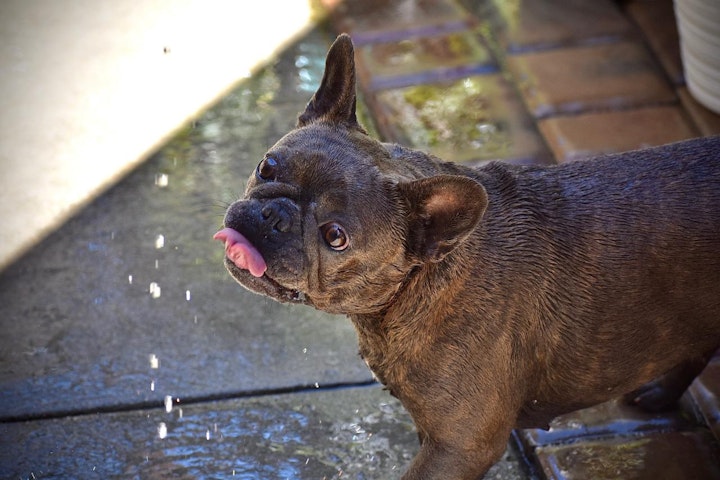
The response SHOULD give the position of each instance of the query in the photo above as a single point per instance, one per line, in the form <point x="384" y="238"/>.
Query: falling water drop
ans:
<point x="155" y="290"/>
<point x="162" y="430"/>
<point x="154" y="361"/>
<point x="160" y="241"/>
<point x="162" y="180"/>
<point x="168" y="403"/>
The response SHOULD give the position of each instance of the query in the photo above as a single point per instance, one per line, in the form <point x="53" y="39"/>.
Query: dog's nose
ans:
<point x="276" y="216"/>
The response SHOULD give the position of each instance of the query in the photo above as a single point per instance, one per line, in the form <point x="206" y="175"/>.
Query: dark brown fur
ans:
<point x="502" y="296"/>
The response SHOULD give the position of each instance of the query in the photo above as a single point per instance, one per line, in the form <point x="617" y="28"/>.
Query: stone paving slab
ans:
<point x="581" y="136"/>
<point x="427" y="59"/>
<point x="467" y="120"/>
<point x="656" y="20"/>
<point x="372" y="21"/>
<point x="706" y="395"/>
<point x="607" y="419"/>
<point x="660" y="456"/>
<point x="360" y="433"/>
<point x="597" y="77"/>
<point x="545" y="24"/>
<point x="707" y="121"/>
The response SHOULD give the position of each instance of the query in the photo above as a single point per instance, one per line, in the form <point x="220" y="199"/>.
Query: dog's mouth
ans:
<point x="247" y="265"/>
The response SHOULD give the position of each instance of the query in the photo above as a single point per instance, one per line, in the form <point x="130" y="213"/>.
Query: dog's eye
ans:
<point x="267" y="169"/>
<point x="335" y="236"/>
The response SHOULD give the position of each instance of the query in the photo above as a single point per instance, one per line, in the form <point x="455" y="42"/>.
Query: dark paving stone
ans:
<point x="582" y="136"/>
<point x="656" y="19"/>
<point x="707" y="121"/>
<point x="658" y="456"/>
<point x="705" y="392"/>
<point x="467" y="120"/>
<point x="79" y="318"/>
<point x="543" y="24"/>
<point x="581" y="79"/>
<point x="422" y="60"/>
<point x="350" y="434"/>
<point x="604" y="420"/>
<point x="372" y="21"/>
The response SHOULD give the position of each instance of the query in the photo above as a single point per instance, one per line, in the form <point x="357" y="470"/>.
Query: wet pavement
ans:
<point x="127" y="351"/>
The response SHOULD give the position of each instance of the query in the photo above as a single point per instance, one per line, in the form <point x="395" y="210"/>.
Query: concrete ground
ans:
<point x="126" y="351"/>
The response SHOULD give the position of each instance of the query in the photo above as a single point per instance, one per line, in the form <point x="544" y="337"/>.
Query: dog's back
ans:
<point x="618" y="260"/>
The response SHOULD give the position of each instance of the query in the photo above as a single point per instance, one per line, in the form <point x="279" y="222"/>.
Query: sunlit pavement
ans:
<point x="127" y="351"/>
<point x="89" y="89"/>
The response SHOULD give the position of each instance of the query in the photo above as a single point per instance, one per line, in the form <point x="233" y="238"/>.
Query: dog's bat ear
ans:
<point x="444" y="210"/>
<point x="334" y="101"/>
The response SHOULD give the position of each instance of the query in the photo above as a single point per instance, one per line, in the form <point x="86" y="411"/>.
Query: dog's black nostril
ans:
<point x="277" y="218"/>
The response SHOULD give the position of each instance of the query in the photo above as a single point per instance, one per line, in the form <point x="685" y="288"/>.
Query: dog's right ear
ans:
<point x="442" y="212"/>
<point x="334" y="101"/>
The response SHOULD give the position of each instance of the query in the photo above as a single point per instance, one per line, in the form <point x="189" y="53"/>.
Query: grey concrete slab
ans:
<point x="129" y="302"/>
<point x="359" y="433"/>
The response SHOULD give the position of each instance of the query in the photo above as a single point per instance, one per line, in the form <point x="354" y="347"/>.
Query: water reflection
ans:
<point x="302" y="436"/>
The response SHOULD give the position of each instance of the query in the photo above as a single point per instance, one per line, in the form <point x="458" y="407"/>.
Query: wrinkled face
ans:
<point x="331" y="220"/>
<point x="320" y="223"/>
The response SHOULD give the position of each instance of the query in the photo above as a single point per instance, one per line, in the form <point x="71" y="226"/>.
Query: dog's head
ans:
<point x="334" y="219"/>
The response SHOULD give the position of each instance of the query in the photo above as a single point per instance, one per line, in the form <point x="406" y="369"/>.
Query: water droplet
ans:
<point x="304" y="350"/>
<point x="162" y="180"/>
<point x="187" y="295"/>
<point x="317" y="385"/>
<point x="157" y="264"/>
<point x="154" y="361"/>
<point x="130" y="279"/>
<point x="207" y="434"/>
<point x="155" y="290"/>
<point x="168" y="403"/>
<point x="152" y="385"/>
<point x="162" y="430"/>
<point x="160" y="241"/>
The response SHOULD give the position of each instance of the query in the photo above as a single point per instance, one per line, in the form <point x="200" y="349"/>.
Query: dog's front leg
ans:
<point x="459" y="445"/>
<point x="447" y="461"/>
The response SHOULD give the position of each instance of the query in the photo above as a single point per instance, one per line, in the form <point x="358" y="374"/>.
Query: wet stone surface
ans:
<point x="599" y="77"/>
<point x="468" y="120"/>
<point x="545" y="24"/>
<point x="661" y="456"/>
<point x="596" y="133"/>
<point x="359" y="434"/>
<point x="423" y="60"/>
<point x="390" y="20"/>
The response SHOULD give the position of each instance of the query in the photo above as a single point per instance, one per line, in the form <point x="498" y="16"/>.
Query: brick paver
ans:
<point x="590" y="78"/>
<point x="581" y="136"/>
<point x="547" y="24"/>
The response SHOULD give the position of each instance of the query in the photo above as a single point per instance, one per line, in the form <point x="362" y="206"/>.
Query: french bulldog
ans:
<point x="488" y="298"/>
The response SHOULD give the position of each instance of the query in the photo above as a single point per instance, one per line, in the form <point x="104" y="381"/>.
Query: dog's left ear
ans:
<point x="334" y="102"/>
<point x="444" y="210"/>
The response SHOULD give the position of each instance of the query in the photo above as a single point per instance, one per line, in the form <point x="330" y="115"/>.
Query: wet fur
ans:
<point x="499" y="297"/>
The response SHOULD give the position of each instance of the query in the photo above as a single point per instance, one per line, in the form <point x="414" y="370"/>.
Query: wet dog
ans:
<point x="490" y="298"/>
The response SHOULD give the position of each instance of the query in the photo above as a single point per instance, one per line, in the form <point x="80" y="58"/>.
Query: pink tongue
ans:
<point x="243" y="254"/>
